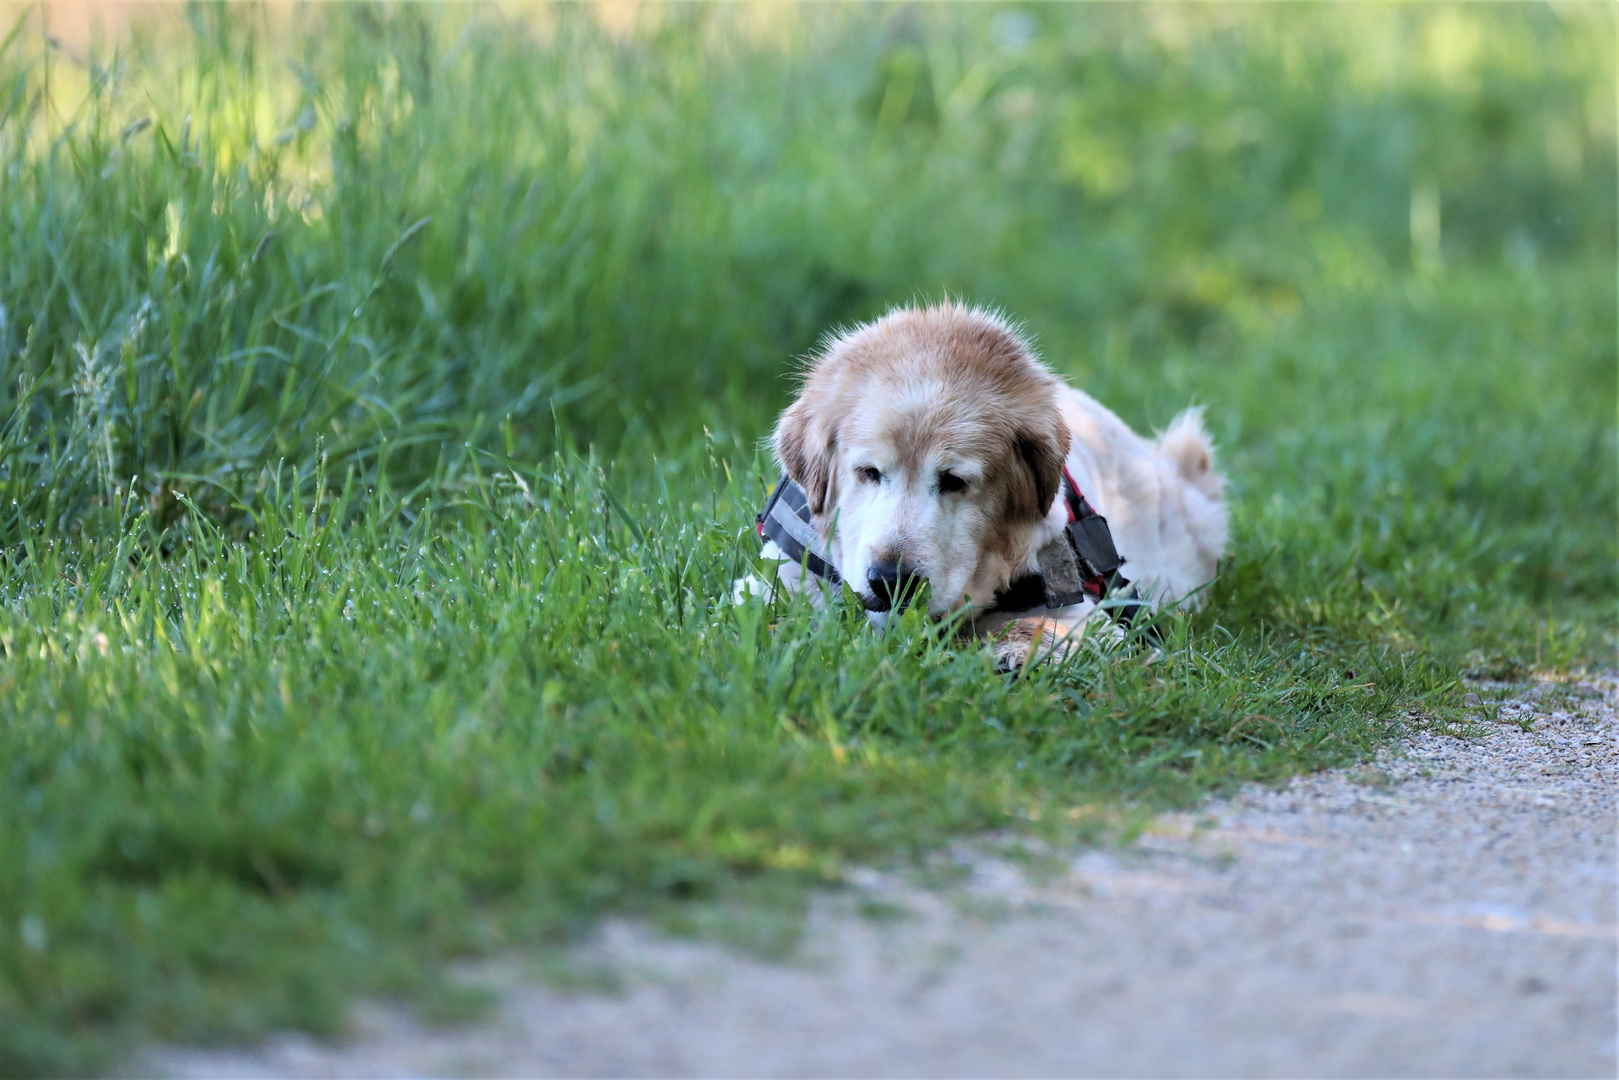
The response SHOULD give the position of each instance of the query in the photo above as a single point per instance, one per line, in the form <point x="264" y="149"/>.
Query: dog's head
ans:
<point x="930" y="448"/>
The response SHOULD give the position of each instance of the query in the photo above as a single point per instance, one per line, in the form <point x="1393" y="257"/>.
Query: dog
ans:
<point x="932" y="446"/>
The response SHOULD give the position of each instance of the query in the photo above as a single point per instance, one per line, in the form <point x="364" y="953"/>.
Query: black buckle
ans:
<point x="1092" y="542"/>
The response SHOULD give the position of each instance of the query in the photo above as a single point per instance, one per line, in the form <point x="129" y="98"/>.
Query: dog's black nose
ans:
<point x="893" y="585"/>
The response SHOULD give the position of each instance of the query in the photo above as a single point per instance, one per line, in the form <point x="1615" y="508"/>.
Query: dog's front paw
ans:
<point x="1010" y="655"/>
<point x="1028" y="641"/>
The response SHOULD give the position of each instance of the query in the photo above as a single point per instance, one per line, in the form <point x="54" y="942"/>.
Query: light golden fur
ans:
<point x="934" y="438"/>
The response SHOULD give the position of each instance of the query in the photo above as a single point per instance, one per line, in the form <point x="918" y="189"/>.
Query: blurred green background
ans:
<point x="1396" y="220"/>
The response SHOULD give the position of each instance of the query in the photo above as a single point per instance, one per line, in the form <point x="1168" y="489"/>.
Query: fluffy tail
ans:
<point x="1187" y="444"/>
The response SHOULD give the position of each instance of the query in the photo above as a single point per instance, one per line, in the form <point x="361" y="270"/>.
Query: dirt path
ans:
<point x="1448" y="913"/>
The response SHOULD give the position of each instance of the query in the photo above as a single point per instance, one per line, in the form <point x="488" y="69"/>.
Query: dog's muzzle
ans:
<point x="893" y="586"/>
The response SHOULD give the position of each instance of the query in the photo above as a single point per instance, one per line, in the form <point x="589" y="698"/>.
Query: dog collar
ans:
<point x="1081" y="563"/>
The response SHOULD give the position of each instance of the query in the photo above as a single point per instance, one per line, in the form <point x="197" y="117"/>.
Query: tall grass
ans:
<point x="378" y="440"/>
<point x="409" y="224"/>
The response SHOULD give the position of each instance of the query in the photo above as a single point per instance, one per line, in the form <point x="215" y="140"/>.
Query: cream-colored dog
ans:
<point x="931" y="445"/>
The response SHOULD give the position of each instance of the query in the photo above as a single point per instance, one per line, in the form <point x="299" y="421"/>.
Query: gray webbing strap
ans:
<point x="787" y="523"/>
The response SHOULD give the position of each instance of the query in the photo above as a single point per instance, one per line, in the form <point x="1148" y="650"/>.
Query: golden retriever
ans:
<point x="931" y="445"/>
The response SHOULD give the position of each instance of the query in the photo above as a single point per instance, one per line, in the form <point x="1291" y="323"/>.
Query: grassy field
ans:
<point x="380" y="395"/>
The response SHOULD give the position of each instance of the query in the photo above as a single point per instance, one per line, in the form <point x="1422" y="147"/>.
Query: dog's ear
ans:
<point x="805" y="449"/>
<point x="1040" y="455"/>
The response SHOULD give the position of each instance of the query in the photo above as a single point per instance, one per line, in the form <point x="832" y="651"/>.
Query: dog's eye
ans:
<point x="868" y="475"/>
<point x="950" y="483"/>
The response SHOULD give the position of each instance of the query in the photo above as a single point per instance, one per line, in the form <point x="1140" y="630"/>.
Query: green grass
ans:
<point x="378" y="441"/>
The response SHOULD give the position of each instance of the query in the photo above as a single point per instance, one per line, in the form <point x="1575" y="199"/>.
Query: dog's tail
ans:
<point x="1186" y="443"/>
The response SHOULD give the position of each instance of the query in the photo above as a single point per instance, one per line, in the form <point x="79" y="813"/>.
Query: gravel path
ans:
<point x="1447" y="912"/>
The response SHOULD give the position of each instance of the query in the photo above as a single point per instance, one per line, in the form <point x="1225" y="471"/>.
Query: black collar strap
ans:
<point x="1081" y="563"/>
